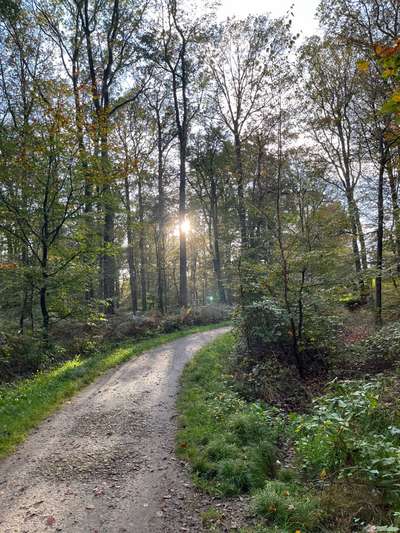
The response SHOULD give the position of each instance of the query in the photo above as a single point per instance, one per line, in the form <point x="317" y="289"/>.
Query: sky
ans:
<point x="303" y="23"/>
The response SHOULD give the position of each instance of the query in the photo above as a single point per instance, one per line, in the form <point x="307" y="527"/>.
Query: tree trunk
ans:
<point x="130" y="249"/>
<point x="109" y="267"/>
<point x="108" y="257"/>
<point x="26" y="303"/>
<point x="43" y="291"/>
<point x="379" y="247"/>
<point x="240" y="192"/>
<point x="160" y="233"/>
<point x="361" y="238"/>
<point x="183" y="288"/>
<point x="143" y="274"/>
<point x="298" y="356"/>
<point x="393" y="182"/>
<point x="354" y="240"/>
<point x="216" y="246"/>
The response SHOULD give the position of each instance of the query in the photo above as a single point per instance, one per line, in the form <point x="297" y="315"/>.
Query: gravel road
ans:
<point x="105" y="462"/>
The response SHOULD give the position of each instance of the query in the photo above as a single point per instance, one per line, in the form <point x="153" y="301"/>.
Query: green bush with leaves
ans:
<point x="354" y="431"/>
<point x="263" y="324"/>
<point x="23" y="355"/>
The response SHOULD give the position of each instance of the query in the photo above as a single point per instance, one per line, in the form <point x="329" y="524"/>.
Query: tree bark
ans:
<point x="142" y="252"/>
<point x="379" y="247"/>
<point x="393" y="182"/>
<point x="130" y="249"/>
<point x="180" y="85"/>
<point x="240" y="191"/>
<point x="354" y="241"/>
<point x="216" y="241"/>
<point x="160" y="233"/>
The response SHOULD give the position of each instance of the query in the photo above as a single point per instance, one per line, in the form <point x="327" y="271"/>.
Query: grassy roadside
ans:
<point x="23" y="405"/>
<point x="234" y="446"/>
<point x="334" y="468"/>
<point x="231" y="444"/>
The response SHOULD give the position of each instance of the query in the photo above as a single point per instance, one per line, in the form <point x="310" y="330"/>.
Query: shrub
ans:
<point x="209" y="314"/>
<point x="22" y="355"/>
<point x="349" y="505"/>
<point x="196" y="316"/>
<point x="378" y="352"/>
<point x="353" y="432"/>
<point x="263" y="324"/>
<point x="269" y="380"/>
<point x="170" y="324"/>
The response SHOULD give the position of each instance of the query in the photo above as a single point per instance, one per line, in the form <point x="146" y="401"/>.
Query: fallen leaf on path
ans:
<point x="50" y="520"/>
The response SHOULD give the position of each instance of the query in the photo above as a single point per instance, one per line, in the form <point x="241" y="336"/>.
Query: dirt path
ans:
<point x="105" y="462"/>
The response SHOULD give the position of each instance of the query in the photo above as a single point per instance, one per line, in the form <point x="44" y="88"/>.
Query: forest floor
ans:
<point x="106" y="461"/>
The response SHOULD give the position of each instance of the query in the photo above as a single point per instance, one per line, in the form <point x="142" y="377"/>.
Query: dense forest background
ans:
<point x="154" y="160"/>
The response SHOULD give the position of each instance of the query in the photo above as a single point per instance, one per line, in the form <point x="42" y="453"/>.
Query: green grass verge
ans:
<point x="233" y="445"/>
<point x="230" y="443"/>
<point x="24" y="404"/>
<point x="344" y="472"/>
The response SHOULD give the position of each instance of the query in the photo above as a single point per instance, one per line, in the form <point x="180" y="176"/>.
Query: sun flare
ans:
<point x="185" y="226"/>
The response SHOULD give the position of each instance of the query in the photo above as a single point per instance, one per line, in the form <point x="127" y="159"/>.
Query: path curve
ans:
<point x="105" y="462"/>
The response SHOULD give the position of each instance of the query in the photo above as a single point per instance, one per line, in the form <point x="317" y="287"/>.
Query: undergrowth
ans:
<point x="234" y="446"/>
<point x="341" y="467"/>
<point x="25" y="403"/>
<point x="231" y="444"/>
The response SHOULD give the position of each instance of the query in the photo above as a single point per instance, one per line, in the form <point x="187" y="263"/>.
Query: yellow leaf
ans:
<point x="363" y="65"/>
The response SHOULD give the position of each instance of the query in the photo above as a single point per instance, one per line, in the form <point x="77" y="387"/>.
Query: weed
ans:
<point x="211" y="519"/>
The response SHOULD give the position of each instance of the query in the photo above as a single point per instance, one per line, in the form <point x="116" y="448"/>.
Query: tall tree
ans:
<point x="244" y="62"/>
<point x="110" y="45"/>
<point x="332" y="86"/>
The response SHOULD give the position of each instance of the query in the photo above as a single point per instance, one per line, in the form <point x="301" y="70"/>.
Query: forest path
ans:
<point x="105" y="462"/>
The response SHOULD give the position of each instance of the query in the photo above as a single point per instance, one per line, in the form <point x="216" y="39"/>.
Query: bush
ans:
<point x="170" y="324"/>
<point x="269" y="380"/>
<point x="135" y="326"/>
<point x="22" y="355"/>
<point x="378" y="352"/>
<point x="209" y="314"/>
<point x="196" y="316"/>
<point x="348" y="506"/>
<point x="354" y="431"/>
<point x="263" y="325"/>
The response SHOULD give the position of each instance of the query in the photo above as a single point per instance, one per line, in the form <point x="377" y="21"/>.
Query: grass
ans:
<point x="343" y="473"/>
<point x="231" y="444"/>
<point x="24" y="404"/>
<point x="288" y="505"/>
